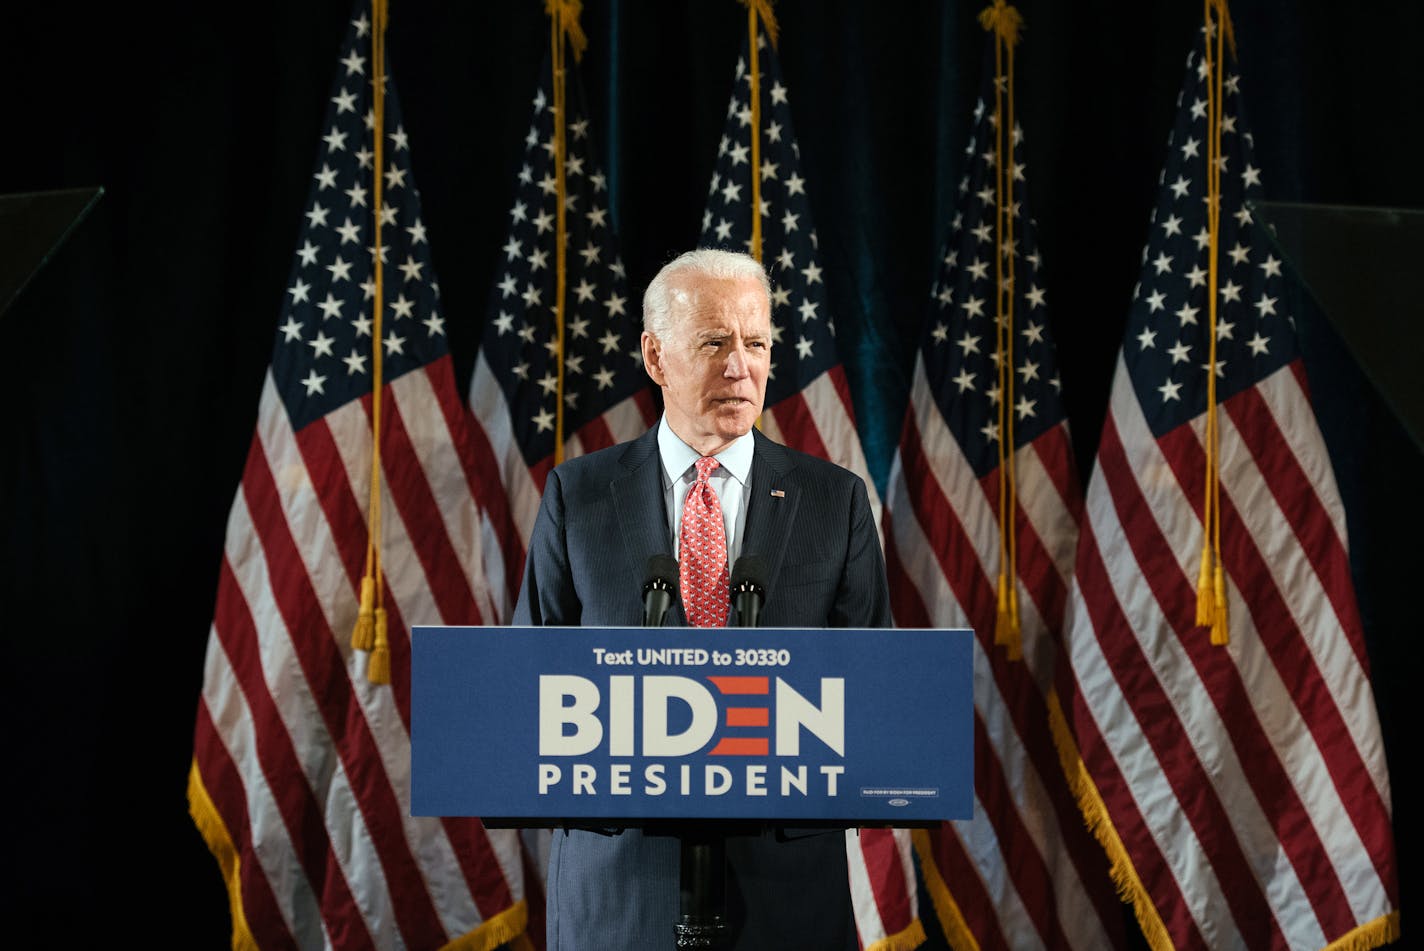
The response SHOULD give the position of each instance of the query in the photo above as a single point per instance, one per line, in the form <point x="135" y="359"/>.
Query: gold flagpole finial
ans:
<point x="566" y="13"/>
<point x="1002" y="19"/>
<point x="762" y="8"/>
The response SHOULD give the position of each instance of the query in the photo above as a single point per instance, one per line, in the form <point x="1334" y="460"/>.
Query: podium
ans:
<point x="695" y="733"/>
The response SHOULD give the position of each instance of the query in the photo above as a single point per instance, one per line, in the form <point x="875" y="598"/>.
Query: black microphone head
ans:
<point x="661" y="573"/>
<point x="749" y="574"/>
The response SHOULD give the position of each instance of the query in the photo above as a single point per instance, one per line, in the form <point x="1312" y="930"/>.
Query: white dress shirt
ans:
<point x="729" y="481"/>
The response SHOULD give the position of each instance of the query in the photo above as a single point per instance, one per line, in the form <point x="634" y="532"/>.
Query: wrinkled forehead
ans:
<point x="700" y="303"/>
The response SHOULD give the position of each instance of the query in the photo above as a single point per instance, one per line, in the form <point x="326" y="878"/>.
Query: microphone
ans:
<point x="659" y="589"/>
<point x="748" y="585"/>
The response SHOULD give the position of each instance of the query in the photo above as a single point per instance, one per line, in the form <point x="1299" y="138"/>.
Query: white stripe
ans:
<point x="834" y="423"/>
<point x="625" y="420"/>
<point x="235" y="730"/>
<point x="492" y="413"/>
<point x="981" y="844"/>
<point x="868" y="923"/>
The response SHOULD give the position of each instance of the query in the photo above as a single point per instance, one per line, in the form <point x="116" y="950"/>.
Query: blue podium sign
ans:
<point x="542" y="725"/>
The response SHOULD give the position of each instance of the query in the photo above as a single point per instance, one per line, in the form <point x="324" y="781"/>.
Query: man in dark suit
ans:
<point x="708" y="487"/>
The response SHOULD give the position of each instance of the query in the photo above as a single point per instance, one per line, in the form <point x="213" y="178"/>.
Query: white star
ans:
<point x="532" y="296"/>
<point x="1224" y="329"/>
<point x="504" y="323"/>
<point x="340" y="269"/>
<point x="795" y="185"/>
<point x="969" y="343"/>
<point x="402" y="307"/>
<point x="990" y="431"/>
<point x="399" y="138"/>
<point x="394" y="344"/>
<point x="335" y="140"/>
<point x="1239" y="254"/>
<point x="610" y="341"/>
<point x="788" y="222"/>
<point x="773" y="132"/>
<point x="731" y="192"/>
<point x="584" y="291"/>
<point x="940" y="333"/>
<point x="803" y="349"/>
<point x="291" y="330"/>
<point x="738" y="152"/>
<point x="724" y="229"/>
<point x="604" y="378"/>
<point x="1189" y="148"/>
<point x="590" y="254"/>
<point x="1033" y="333"/>
<point x="314" y="382"/>
<point x="1154" y="301"/>
<point x="299" y="291"/>
<point x="1258" y="344"/>
<point x="544" y="420"/>
<point x="1169" y="391"/>
<point x="978" y="269"/>
<point x="1173" y="225"/>
<point x="1251" y="175"/>
<point x="974" y="307"/>
<point x="417" y="232"/>
<point x="1271" y="266"/>
<point x="1266" y="305"/>
<point x="538" y="259"/>
<point x="768" y="169"/>
<point x="326" y="178"/>
<point x="1180" y="353"/>
<point x="358" y="195"/>
<point x="778" y="93"/>
<point x="1025" y="406"/>
<point x="362" y="325"/>
<point x="1243" y="216"/>
<point x="1196" y="276"/>
<point x="350" y="233"/>
<point x="1187" y="314"/>
<point x="507" y="286"/>
<point x="812" y="273"/>
<point x="1029" y="370"/>
<point x="355" y="363"/>
<point x="597" y="217"/>
<point x="1180" y="187"/>
<point x="1034" y="296"/>
<point x="808" y="310"/>
<point x="317" y="216"/>
<point x="1147" y="339"/>
<point x="354" y="64"/>
<point x="363" y="157"/>
<point x="307" y="253"/>
<point x="331" y="307"/>
<point x="411" y="268"/>
<point x="578" y="327"/>
<point x="1230" y="291"/>
<point x="544" y="222"/>
<point x="615" y="304"/>
<point x="1163" y="263"/>
<point x="965" y="379"/>
<point x="548" y="382"/>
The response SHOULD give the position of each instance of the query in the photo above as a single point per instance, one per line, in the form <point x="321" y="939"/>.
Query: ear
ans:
<point x="653" y="358"/>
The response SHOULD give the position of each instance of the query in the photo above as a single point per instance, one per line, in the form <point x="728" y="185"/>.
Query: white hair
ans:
<point x="712" y="263"/>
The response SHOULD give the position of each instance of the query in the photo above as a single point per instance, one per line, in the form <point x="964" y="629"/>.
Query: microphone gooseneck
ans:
<point x="748" y="589"/>
<point x="659" y="589"/>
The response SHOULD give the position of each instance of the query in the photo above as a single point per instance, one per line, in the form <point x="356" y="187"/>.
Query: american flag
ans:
<point x="300" y="780"/>
<point x="1241" y="790"/>
<point x="1024" y="872"/>
<point x="607" y="397"/>
<point x="808" y="405"/>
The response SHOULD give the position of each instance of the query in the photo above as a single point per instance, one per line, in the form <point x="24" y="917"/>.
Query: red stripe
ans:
<point x="905" y="600"/>
<point x="326" y="676"/>
<point x="647" y="405"/>
<point x="595" y="434"/>
<point x="742" y="685"/>
<point x="838" y="380"/>
<point x="748" y="716"/>
<point x="1021" y="855"/>
<point x="798" y="426"/>
<point x="482" y="472"/>
<point x="424" y="527"/>
<point x="1055" y="454"/>
<point x="301" y="813"/>
<point x="1285" y="645"/>
<point x="1302" y="508"/>
<point x="1021" y="696"/>
<point x="967" y="889"/>
<point x="887" y="879"/>
<point x="741" y="746"/>
<point x="225" y="788"/>
<point x="1148" y="701"/>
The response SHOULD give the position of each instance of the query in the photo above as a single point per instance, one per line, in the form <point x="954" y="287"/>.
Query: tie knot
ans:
<point x="705" y="467"/>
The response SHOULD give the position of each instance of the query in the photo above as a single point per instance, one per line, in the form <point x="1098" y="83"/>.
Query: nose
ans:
<point x="736" y="363"/>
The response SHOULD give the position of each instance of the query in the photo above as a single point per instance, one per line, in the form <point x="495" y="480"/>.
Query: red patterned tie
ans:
<point x="702" y="549"/>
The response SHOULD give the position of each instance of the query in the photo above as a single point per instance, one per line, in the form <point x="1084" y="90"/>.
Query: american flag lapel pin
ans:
<point x="778" y="494"/>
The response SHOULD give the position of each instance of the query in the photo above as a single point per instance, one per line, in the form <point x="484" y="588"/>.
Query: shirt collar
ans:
<point x="677" y="456"/>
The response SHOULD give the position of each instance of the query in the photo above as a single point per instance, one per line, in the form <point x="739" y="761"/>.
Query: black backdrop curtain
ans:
<point x="136" y="356"/>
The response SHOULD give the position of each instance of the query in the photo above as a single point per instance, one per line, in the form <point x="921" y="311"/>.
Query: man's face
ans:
<point x="714" y="365"/>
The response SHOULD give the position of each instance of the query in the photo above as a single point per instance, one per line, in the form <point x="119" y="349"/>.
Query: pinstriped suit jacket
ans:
<point x="601" y="518"/>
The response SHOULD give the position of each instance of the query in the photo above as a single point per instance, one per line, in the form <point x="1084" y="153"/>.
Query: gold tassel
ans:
<point x="1220" y="633"/>
<point x="1206" y="608"/>
<point x="1013" y="641"/>
<point x="363" y="635"/>
<point x="379" y="670"/>
<point x="1004" y="619"/>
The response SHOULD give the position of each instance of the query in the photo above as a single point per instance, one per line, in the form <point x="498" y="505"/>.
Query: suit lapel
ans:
<point x="770" y="515"/>
<point x="638" y="501"/>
